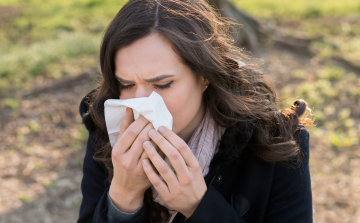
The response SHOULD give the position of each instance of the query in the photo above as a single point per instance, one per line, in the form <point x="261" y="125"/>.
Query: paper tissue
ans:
<point x="153" y="108"/>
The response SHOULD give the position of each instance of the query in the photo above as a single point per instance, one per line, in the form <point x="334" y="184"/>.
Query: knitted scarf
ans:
<point x="204" y="144"/>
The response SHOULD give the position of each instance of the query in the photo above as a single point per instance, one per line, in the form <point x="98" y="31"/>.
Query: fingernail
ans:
<point x="145" y="162"/>
<point x="152" y="133"/>
<point x="147" y="145"/>
<point x="161" y="129"/>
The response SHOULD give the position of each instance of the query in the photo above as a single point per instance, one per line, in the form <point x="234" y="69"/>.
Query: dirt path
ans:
<point x="41" y="156"/>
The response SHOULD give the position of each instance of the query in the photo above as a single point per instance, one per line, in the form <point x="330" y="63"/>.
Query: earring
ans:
<point x="206" y="87"/>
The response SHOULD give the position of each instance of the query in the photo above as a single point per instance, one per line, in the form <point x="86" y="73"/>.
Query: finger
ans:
<point x="161" y="153"/>
<point x="165" y="171"/>
<point x="155" y="180"/>
<point x="181" y="146"/>
<point x="136" y="149"/>
<point x="153" y="144"/>
<point x="130" y="134"/>
<point x="129" y="118"/>
<point x="145" y="156"/>
<point x="175" y="158"/>
<point x="158" y="149"/>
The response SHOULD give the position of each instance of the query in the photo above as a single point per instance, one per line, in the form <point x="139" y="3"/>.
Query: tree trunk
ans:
<point x="252" y="35"/>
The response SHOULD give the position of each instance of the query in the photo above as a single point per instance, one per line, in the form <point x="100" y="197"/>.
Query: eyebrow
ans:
<point x="154" y="79"/>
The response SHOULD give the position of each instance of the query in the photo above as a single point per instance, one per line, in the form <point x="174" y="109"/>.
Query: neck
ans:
<point x="188" y="132"/>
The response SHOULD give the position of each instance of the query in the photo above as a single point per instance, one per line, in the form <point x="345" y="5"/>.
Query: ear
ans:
<point x="204" y="82"/>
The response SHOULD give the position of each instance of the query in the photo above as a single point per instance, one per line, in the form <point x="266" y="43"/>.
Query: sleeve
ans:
<point x="114" y="214"/>
<point x="92" y="186"/>
<point x="94" y="205"/>
<point x="213" y="208"/>
<point x="291" y="196"/>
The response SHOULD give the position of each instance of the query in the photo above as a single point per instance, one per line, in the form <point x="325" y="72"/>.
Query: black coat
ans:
<point x="240" y="186"/>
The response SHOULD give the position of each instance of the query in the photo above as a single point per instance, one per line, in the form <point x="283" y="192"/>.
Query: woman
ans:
<point x="235" y="156"/>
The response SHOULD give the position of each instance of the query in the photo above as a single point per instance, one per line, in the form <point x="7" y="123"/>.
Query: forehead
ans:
<point x="149" y="55"/>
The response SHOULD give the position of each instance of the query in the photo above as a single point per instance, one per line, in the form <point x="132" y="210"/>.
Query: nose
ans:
<point x="142" y="92"/>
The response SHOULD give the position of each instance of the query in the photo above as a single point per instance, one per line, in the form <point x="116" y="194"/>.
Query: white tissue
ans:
<point x="153" y="108"/>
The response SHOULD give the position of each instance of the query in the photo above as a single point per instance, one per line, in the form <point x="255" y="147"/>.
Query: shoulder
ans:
<point x="302" y="139"/>
<point x="84" y="103"/>
<point x="296" y="167"/>
<point x="302" y="135"/>
<point x="84" y="113"/>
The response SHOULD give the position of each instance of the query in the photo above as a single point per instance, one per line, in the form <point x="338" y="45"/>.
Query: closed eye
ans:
<point x="161" y="87"/>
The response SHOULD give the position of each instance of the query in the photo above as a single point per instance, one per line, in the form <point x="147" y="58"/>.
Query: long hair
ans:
<point x="201" y="37"/>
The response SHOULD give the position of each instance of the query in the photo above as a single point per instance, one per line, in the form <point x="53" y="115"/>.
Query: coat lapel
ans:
<point x="232" y="143"/>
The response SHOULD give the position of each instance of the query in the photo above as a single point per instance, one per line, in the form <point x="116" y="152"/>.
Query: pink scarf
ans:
<point x="203" y="143"/>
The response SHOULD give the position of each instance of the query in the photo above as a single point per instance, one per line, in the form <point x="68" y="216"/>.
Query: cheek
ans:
<point x="176" y="105"/>
<point x="183" y="106"/>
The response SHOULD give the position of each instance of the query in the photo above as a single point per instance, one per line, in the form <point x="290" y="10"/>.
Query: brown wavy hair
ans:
<point x="201" y="37"/>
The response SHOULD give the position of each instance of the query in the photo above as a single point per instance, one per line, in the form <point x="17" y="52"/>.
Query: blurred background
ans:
<point x="310" y="49"/>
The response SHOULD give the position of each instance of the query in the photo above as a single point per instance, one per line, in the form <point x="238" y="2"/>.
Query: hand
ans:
<point x="184" y="189"/>
<point x="130" y="182"/>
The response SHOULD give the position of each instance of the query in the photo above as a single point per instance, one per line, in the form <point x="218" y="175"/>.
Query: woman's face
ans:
<point x="152" y="57"/>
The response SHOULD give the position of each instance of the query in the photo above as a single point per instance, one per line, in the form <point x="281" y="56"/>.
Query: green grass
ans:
<point x="337" y="22"/>
<point x="38" y="20"/>
<point x="50" y="40"/>
<point x="271" y="9"/>
<point x="20" y="64"/>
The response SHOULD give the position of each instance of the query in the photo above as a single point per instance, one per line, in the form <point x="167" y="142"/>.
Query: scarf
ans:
<point x="204" y="144"/>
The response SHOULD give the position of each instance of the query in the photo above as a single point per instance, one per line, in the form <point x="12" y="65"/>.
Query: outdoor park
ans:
<point x="310" y="49"/>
